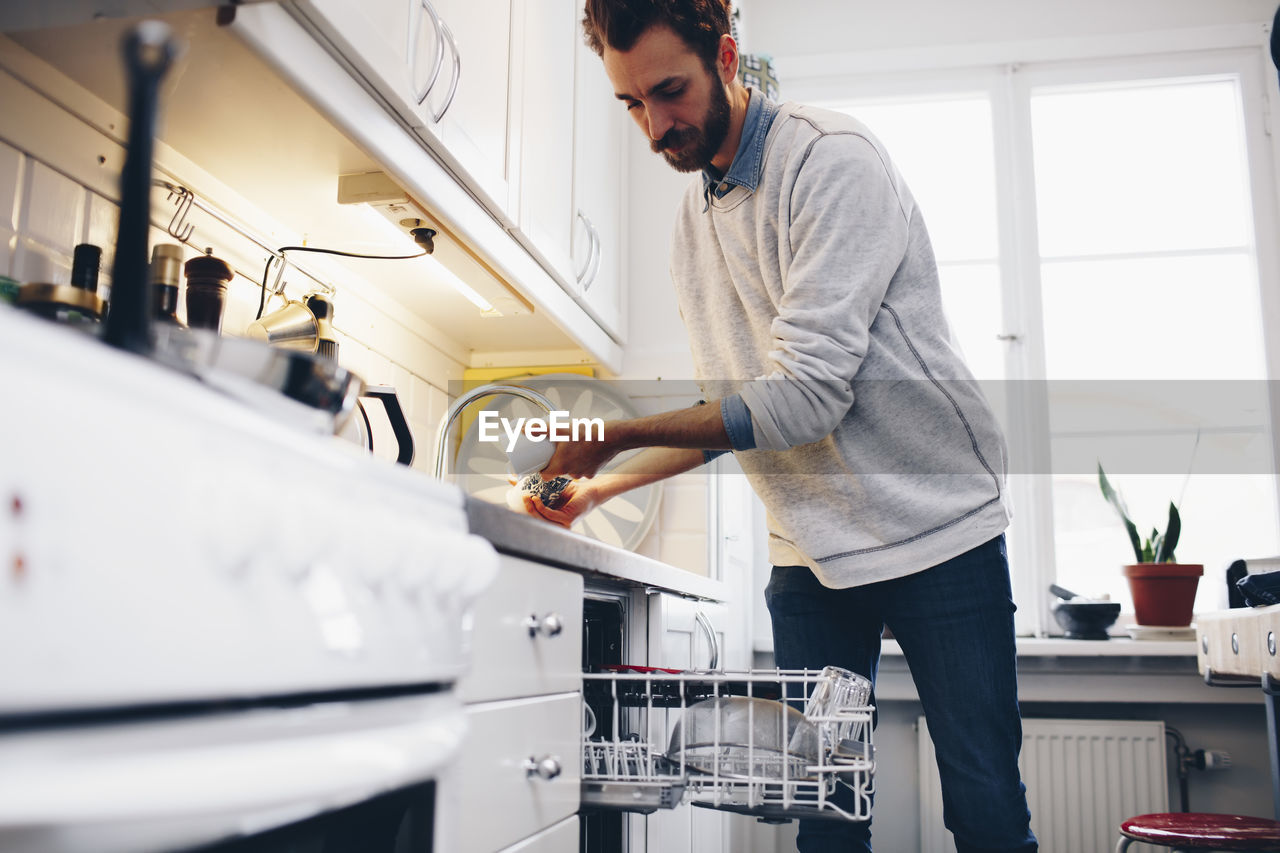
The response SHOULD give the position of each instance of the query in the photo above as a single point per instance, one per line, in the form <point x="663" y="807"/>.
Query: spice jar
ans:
<point x="166" y="274"/>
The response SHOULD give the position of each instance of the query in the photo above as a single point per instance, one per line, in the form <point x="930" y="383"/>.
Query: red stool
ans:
<point x="1183" y="831"/>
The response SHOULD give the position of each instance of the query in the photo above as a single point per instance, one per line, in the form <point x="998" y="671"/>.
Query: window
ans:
<point x="954" y="186"/>
<point x="1094" y="228"/>
<point x="1150" y="295"/>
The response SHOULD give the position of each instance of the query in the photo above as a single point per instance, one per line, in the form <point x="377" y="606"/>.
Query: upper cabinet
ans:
<point x="572" y="166"/>
<point x="444" y="67"/>
<point x="545" y="144"/>
<point x="599" y="146"/>
<point x="461" y="56"/>
<point x="509" y="99"/>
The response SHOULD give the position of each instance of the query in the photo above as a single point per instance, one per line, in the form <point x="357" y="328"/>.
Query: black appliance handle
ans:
<point x="149" y="50"/>
<point x="399" y="423"/>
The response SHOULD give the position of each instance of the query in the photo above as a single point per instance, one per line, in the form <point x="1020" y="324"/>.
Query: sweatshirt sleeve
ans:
<point x="847" y="235"/>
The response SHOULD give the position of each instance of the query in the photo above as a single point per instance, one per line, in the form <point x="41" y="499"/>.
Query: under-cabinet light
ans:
<point x="437" y="269"/>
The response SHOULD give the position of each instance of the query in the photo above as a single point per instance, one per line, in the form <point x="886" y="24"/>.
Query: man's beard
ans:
<point x="697" y="144"/>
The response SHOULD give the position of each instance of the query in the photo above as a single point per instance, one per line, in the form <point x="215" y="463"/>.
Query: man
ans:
<point x="805" y="276"/>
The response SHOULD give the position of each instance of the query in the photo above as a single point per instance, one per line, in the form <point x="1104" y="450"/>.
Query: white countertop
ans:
<point x="517" y="534"/>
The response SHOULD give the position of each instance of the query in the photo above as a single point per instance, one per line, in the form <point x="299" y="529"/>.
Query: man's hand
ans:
<point x="695" y="428"/>
<point x="673" y="441"/>
<point x="582" y="459"/>
<point x="577" y="499"/>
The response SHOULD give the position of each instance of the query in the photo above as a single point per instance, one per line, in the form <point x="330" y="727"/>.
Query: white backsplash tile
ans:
<point x="34" y="261"/>
<point x="684" y="505"/>
<point x="400" y="380"/>
<point x="651" y="545"/>
<point x="354" y="356"/>
<point x="53" y="208"/>
<point x="687" y="551"/>
<point x="101" y="226"/>
<point x="8" y="247"/>
<point x="378" y="370"/>
<point x="241" y="306"/>
<point x="11" y="163"/>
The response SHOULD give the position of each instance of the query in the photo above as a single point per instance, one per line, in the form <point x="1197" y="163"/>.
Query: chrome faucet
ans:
<point x="456" y="407"/>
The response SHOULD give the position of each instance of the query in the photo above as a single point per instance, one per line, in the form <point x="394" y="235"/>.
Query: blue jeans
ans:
<point x="955" y="625"/>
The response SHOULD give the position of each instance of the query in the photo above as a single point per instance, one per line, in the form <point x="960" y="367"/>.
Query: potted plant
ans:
<point x="1164" y="590"/>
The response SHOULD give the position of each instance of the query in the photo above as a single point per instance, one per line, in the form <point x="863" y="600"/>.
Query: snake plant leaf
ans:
<point x="1171" y="534"/>
<point x="1113" y="497"/>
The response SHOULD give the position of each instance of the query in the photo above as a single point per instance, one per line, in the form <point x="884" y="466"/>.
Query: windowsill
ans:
<point x="1060" y="671"/>
<point x="1059" y="647"/>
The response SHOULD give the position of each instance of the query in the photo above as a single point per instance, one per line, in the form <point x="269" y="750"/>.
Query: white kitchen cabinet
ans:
<point x="561" y="838"/>
<point x="518" y="111"/>
<point x="443" y="67"/>
<point x="374" y="38"/>
<point x="521" y="769"/>
<point x="528" y="636"/>
<point x="599" y="159"/>
<point x="468" y="114"/>
<point x="685" y="634"/>
<point x="521" y="764"/>
<point x="545" y="144"/>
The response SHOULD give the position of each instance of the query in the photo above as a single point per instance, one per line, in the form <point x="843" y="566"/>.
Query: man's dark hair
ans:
<point x="620" y="23"/>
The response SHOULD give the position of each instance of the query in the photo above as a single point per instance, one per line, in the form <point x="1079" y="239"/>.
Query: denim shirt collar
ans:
<point x="748" y="161"/>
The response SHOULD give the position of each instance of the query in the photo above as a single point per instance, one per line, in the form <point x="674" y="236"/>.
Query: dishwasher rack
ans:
<point x="775" y="744"/>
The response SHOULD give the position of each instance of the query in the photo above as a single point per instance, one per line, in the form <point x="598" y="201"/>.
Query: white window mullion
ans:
<point x="1031" y="545"/>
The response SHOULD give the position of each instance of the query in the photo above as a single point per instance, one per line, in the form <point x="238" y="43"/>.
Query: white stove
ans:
<point x="215" y="627"/>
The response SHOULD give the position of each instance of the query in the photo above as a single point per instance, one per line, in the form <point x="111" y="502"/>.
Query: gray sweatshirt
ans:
<point x="816" y="298"/>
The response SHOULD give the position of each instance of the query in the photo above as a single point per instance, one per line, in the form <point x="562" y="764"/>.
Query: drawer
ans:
<point x="561" y="838"/>
<point x="502" y="801"/>
<point x="1233" y="642"/>
<point x="527" y="635"/>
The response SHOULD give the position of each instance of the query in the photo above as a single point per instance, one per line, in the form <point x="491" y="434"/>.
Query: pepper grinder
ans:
<point x="207" y="279"/>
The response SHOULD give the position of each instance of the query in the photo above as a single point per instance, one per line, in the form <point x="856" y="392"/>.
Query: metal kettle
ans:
<point x="378" y="413"/>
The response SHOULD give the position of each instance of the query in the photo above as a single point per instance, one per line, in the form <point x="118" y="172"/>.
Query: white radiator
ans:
<point x="1083" y="778"/>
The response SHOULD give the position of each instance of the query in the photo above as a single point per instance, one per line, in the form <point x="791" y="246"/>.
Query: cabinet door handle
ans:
<point x="702" y="620"/>
<point x="550" y="625"/>
<point x="597" y="254"/>
<point x="588" y="273"/>
<point x="457" y="72"/>
<point x="546" y="768"/>
<point x="413" y="51"/>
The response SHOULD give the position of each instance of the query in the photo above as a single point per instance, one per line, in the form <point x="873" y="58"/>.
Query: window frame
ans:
<point x="1009" y="86"/>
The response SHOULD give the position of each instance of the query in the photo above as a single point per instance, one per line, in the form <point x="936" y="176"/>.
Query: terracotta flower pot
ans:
<point x="1163" y="593"/>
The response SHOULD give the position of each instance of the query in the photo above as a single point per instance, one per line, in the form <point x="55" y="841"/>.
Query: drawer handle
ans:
<point x="550" y="625"/>
<point x="547" y="767"/>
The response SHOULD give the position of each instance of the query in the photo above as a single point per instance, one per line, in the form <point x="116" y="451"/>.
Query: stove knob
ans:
<point x="550" y="625"/>
<point x="546" y="768"/>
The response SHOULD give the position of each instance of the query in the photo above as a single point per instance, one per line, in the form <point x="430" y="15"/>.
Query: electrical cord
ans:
<point x="422" y="239"/>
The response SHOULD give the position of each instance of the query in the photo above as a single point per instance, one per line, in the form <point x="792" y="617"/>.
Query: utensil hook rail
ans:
<point x="184" y="199"/>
